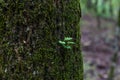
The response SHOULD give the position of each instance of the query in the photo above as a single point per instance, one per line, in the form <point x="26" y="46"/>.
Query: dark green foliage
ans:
<point x="119" y="18"/>
<point x="104" y="8"/>
<point x="30" y="31"/>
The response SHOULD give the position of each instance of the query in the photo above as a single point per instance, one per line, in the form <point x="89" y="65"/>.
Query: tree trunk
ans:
<point x="30" y="35"/>
<point x="119" y="18"/>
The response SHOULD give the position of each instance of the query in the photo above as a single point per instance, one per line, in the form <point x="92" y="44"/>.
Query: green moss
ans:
<point x="29" y="44"/>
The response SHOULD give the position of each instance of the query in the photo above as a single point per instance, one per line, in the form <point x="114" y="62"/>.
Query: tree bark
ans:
<point x="29" y="43"/>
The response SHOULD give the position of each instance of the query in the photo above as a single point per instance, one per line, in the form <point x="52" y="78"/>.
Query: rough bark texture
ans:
<point x="30" y="31"/>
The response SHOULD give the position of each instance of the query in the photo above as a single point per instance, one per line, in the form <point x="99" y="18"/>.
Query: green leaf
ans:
<point x="67" y="38"/>
<point x="62" y="42"/>
<point x="68" y="47"/>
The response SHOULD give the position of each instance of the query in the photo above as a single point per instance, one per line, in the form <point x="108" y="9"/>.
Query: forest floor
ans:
<point x="98" y="46"/>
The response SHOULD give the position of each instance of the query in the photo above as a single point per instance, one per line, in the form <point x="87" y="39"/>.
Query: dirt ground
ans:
<point x="98" y="46"/>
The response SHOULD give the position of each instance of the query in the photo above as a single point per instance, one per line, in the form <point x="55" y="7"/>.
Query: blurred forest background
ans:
<point x="100" y="26"/>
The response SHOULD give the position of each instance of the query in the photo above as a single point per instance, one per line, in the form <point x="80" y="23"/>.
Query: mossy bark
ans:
<point x="29" y="42"/>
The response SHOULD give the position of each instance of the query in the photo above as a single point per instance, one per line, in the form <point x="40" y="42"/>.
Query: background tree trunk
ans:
<point x="29" y="42"/>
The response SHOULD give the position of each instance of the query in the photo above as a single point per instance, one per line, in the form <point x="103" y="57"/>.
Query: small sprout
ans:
<point x="67" y="42"/>
<point x="62" y="42"/>
<point x="68" y="47"/>
<point x="67" y="38"/>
